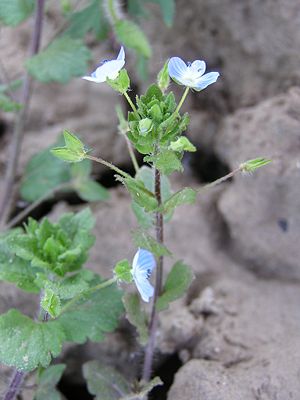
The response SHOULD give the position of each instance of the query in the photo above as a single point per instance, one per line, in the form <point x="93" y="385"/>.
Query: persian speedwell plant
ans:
<point x="47" y="259"/>
<point x="155" y="128"/>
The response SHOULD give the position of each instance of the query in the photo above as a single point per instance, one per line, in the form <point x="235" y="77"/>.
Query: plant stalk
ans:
<point x="159" y="229"/>
<point x="18" y="133"/>
<point x="220" y="180"/>
<point x="108" y="164"/>
<point x="132" y="155"/>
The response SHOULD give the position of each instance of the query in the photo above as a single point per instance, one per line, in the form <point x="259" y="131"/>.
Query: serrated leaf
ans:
<point x="136" y="316"/>
<point x="122" y="271"/>
<point x="95" y="314"/>
<point x="104" y="381"/>
<point x="143" y="240"/>
<point x="47" y="382"/>
<point x="92" y="191"/>
<point x="183" y="196"/>
<point x="145" y="220"/>
<point x="182" y="144"/>
<point x="133" y="37"/>
<point x="13" y="12"/>
<point x="177" y="283"/>
<point x="15" y="270"/>
<point x="121" y="83"/>
<point x="72" y="142"/>
<point x="140" y="194"/>
<point x="65" y="154"/>
<point x="51" y="303"/>
<point x="63" y="59"/>
<point x="166" y="161"/>
<point x="26" y="344"/>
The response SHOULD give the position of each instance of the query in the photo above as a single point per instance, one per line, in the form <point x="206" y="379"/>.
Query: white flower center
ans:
<point x="191" y="76"/>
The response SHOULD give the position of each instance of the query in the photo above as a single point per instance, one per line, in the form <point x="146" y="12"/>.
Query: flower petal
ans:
<point x="109" y="69"/>
<point x="176" y="68"/>
<point x="121" y="55"/>
<point x="143" y="261"/>
<point x="199" y="66"/>
<point x="142" y="267"/>
<point x="91" y="78"/>
<point x="145" y="288"/>
<point x="206" y="80"/>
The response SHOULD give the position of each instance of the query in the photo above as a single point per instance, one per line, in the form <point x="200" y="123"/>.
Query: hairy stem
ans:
<point x="107" y="164"/>
<point x="159" y="228"/>
<point x="132" y="155"/>
<point x="18" y="133"/>
<point x="19" y="217"/>
<point x="131" y="104"/>
<point x="185" y="93"/>
<point x="220" y="180"/>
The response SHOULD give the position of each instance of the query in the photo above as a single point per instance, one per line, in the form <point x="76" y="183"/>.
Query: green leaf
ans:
<point x="122" y="271"/>
<point x="65" y="154"/>
<point x="13" y="12"/>
<point x="167" y="9"/>
<point x="166" y="161"/>
<point x="143" y="389"/>
<point x="7" y="105"/>
<point x="43" y="173"/>
<point x="63" y="59"/>
<point x="133" y="37"/>
<point x="93" y="315"/>
<point x="26" y="344"/>
<point x="121" y="83"/>
<point x="88" y="19"/>
<point x="145" y="241"/>
<point x="15" y="270"/>
<point x="252" y="165"/>
<point x="89" y="190"/>
<point x="82" y="170"/>
<point x="72" y="142"/>
<point x="183" y="196"/>
<point x="182" y="144"/>
<point x="177" y="283"/>
<point x="145" y="126"/>
<point x="73" y="151"/>
<point x="47" y="382"/>
<point x="163" y="78"/>
<point x="51" y="303"/>
<point x="104" y="381"/>
<point x="145" y="220"/>
<point x="140" y="194"/>
<point x="136" y="316"/>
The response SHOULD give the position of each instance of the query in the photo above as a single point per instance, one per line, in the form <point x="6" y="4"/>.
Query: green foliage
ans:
<point x="14" y="269"/>
<point x="145" y="241"/>
<point x="132" y="36"/>
<point x="140" y="194"/>
<point x="104" y="382"/>
<point x="95" y="313"/>
<point x="183" y="196"/>
<point x="26" y="344"/>
<point x="182" y="144"/>
<point x="47" y="382"/>
<point x="136" y="316"/>
<point x="163" y="78"/>
<point x="51" y="303"/>
<point x="73" y="151"/>
<point x="167" y="161"/>
<point x="167" y="9"/>
<point x="13" y="12"/>
<point x="58" y="248"/>
<point x="177" y="283"/>
<point x="8" y="105"/>
<point x="121" y="83"/>
<point x="252" y="165"/>
<point x="62" y="60"/>
<point x="89" y="19"/>
<point x="122" y="271"/>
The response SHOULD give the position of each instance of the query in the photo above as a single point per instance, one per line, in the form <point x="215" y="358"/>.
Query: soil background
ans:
<point x="235" y="336"/>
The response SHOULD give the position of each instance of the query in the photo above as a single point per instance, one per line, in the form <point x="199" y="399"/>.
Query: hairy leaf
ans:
<point x="63" y="59"/>
<point x="143" y="240"/>
<point x="47" y="382"/>
<point x="89" y="190"/>
<point x="177" y="283"/>
<point x="104" y="381"/>
<point x="183" y="196"/>
<point x="166" y="161"/>
<point x="136" y="316"/>
<point x="25" y="344"/>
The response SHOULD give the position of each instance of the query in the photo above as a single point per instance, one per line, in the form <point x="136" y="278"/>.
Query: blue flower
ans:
<point x="191" y="74"/>
<point x="142" y="267"/>
<point x="108" y="69"/>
